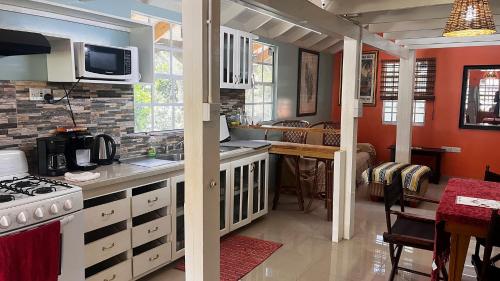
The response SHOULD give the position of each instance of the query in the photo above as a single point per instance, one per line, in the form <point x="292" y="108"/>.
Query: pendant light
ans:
<point x="470" y="18"/>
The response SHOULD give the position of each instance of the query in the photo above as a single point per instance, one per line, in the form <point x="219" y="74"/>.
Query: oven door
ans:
<point x="72" y="246"/>
<point x="107" y="62"/>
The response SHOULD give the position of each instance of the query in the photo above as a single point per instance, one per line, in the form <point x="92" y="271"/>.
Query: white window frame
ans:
<point x="163" y="76"/>
<point x="264" y="84"/>
<point x="393" y="110"/>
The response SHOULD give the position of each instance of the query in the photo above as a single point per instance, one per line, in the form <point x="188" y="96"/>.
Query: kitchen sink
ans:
<point x="171" y="157"/>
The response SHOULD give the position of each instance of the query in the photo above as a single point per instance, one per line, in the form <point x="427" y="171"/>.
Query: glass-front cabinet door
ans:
<point x="178" y="237"/>
<point x="228" y="45"/>
<point x="245" y="72"/>
<point x="260" y="175"/>
<point x="225" y="197"/>
<point x="241" y="197"/>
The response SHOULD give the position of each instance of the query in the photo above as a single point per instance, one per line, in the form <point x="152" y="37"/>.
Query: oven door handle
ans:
<point x="67" y="219"/>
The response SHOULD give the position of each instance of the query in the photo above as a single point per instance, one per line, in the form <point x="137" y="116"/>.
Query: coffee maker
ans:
<point x="79" y="147"/>
<point x="51" y="156"/>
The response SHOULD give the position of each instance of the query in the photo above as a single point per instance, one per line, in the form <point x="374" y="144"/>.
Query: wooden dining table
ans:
<point x="461" y="222"/>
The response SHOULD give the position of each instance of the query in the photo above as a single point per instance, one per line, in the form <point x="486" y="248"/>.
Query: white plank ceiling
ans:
<point x="415" y="24"/>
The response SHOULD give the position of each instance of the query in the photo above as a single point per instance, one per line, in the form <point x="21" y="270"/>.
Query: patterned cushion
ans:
<point x="412" y="175"/>
<point x="383" y="173"/>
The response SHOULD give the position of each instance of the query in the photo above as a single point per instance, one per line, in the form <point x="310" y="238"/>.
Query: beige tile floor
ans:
<point x="309" y="255"/>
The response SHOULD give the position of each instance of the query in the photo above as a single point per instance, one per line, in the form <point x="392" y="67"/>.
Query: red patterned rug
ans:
<point x="239" y="255"/>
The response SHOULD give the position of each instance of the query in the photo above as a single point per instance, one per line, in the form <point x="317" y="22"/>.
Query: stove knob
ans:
<point x="21" y="218"/>
<point x="38" y="213"/>
<point x="4" y="222"/>
<point x="68" y="205"/>
<point x="54" y="209"/>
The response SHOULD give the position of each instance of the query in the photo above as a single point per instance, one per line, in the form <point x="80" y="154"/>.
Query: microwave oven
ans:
<point x="106" y="63"/>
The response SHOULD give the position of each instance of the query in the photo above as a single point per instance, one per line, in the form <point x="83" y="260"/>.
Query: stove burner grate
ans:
<point x="6" y="198"/>
<point x="32" y="185"/>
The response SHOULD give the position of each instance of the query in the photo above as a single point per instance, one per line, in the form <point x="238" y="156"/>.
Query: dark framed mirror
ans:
<point x="480" y="104"/>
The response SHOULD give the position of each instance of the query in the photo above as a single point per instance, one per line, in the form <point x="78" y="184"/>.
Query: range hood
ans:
<point x="17" y="43"/>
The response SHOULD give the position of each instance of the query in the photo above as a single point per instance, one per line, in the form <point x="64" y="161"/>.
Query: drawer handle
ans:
<point x="104" y="248"/>
<point x="152" y="230"/>
<point x="154" y="258"/>
<point x="108" y="214"/>
<point x="110" y="279"/>
<point x="152" y="201"/>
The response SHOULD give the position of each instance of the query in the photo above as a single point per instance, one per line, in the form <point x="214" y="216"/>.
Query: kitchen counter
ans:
<point x="119" y="177"/>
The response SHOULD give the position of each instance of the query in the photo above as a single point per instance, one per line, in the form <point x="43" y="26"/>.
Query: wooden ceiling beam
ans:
<point x="256" y="22"/>
<point x="294" y="34"/>
<point x="339" y="46"/>
<point x="342" y="7"/>
<point x="273" y="29"/>
<point x="450" y="40"/>
<point x="454" y="45"/>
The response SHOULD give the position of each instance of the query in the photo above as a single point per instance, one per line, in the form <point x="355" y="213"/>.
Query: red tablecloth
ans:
<point x="449" y="211"/>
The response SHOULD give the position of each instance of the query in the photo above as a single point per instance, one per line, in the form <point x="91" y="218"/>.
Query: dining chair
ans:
<point x="292" y="137"/>
<point x="491" y="176"/>
<point x="485" y="268"/>
<point x="327" y="139"/>
<point x="408" y="230"/>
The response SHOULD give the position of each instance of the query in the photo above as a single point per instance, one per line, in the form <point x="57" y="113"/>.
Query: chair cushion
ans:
<point x="383" y="173"/>
<point x="413" y="175"/>
<point x="413" y="229"/>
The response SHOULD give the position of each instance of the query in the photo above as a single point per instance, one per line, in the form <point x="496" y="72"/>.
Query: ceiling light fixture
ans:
<point x="470" y="18"/>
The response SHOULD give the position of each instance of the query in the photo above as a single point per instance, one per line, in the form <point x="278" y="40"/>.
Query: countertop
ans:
<point x="121" y="176"/>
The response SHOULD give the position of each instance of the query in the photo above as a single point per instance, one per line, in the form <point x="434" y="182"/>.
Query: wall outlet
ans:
<point x="452" y="149"/>
<point x="36" y="94"/>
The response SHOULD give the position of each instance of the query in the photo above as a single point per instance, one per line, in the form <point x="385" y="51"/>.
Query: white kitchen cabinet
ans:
<point x="178" y="238"/>
<point x="241" y="193"/>
<point x="260" y="175"/>
<point x="178" y="194"/>
<point x="236" y="71"/>
<point x="225" y="197"/>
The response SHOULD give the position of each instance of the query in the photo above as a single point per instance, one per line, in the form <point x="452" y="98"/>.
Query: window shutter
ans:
<point x="390" y="80"/>
<point x="425" y="79"/>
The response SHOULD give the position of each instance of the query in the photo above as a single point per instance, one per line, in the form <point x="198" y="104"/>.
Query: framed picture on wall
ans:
<point x="368" y="79"/>
<point x="307" y="88"/>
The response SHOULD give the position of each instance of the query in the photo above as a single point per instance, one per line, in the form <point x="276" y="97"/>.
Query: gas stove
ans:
<point x="27" y="200"/>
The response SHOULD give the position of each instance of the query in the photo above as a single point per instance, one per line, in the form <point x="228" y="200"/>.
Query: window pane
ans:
<point x="162" y="61"/>
<point x="257" y="71"/>
<point x="248" y="113"/>
<point x="180" y="91"/>
<point x="258" y="94"/>
<point x="268" y="93"/>
<point x="267" y="73"/>
<point x="268" y="112"/>
<point x="177" y="63"/>
<point x="142" y="93"/>
<point x="258" y="113"/>
<point x="268" y="55"/>
<point x="165" y="91"/>
<point x="142" y="118"/>
<point x="163" y="118"/>
<point x="179" y="117"/>
<point x="249" y="96"/>
<point x="176" y="36"/>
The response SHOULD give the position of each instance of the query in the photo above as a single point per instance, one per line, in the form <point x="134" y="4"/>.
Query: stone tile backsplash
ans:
<point x="102" y="108"/>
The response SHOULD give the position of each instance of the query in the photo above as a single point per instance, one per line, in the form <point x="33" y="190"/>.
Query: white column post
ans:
<point x="349" y="126"/>
<point x="405" y="108"/>
<point x="200" y="24"/>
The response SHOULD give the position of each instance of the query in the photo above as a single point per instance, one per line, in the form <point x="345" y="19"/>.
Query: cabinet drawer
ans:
<point x="107" y="247"/>
<point x="152" y="230"/>
<point x="150" y="201"/>
<point x="106" y="214"/>
<point x="151" y="259"/>
<point x="119" y="272"/>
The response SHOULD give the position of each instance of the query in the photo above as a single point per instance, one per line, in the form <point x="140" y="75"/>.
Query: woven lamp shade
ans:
<point x="470" y="18"/>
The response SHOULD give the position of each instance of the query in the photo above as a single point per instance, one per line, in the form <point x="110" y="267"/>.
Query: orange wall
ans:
<point x="479" y="147"/>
